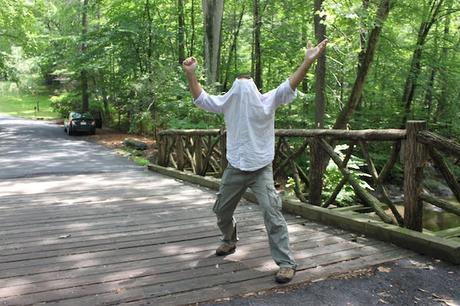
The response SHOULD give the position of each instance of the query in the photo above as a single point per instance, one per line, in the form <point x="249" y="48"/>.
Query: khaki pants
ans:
<point x="233" y="185"/>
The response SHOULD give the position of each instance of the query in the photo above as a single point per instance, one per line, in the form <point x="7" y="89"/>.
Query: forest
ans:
<point x="387" y="61"/>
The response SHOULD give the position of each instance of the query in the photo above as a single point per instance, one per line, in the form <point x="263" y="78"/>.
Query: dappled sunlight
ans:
<point x="86" y="225"/>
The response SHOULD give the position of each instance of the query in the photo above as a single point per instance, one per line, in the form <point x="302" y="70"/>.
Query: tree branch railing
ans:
<point x="203" y="153"/>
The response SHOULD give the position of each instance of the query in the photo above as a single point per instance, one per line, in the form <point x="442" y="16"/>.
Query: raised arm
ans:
<point x="189" y="66"/>
<point x="311" y="55"/>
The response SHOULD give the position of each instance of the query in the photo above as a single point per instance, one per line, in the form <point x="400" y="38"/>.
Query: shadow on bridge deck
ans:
<point x="145" y="238"/>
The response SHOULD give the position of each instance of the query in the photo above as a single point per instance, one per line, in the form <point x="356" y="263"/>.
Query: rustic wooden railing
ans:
<point x="203" y="152"/>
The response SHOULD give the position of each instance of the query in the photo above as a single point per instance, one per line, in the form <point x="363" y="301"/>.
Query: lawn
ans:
<point x="22" y="105"/>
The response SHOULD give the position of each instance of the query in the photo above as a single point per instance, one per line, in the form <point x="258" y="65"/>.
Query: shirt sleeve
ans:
<point x="212" y="103"/>
<point x="283" y="94"/>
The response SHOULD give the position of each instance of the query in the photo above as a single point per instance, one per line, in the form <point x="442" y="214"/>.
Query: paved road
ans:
<point x="31" y="148"/>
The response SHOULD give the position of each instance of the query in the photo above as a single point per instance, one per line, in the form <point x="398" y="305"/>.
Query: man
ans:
<point x="249" y="119"/>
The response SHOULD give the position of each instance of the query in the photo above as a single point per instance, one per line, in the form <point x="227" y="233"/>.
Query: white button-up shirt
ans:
<point x="250" y="121"/>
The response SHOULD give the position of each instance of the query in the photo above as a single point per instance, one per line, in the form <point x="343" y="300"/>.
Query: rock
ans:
<point x="437" y="188"/>
<point x="135" y="144"/>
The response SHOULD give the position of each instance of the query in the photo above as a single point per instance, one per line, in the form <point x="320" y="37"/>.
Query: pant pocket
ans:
<point x="274" y="198"/>
<point x="216" y="206"/>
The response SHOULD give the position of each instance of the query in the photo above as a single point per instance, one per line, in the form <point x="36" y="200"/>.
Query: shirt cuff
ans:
<point x="200" y="97"/>
<point x="291" y="91"/>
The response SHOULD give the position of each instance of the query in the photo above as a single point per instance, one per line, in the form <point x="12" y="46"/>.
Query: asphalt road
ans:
<point x="33" y="148"/>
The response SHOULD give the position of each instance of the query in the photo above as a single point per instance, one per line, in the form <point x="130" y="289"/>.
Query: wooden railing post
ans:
<point x="198" y="146"/>
<point x="161" y="150"/>
<point x="223" y="150"/>
<point x="180" y="153"/>
<point x="414" y="158"/>
<point x="316" y="171"/>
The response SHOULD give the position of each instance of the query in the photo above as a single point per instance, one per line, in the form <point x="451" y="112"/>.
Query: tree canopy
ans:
<point x="387" y="61"/>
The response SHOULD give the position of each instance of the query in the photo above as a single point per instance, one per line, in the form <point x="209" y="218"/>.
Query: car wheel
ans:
<point x="93" y="132"/>
<point x="69" y="131"/>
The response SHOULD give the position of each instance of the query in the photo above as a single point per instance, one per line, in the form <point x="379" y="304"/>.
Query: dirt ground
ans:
<point x="113" y="139"/>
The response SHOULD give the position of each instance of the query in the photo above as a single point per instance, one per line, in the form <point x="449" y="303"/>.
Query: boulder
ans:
<point x="135" y="144"/>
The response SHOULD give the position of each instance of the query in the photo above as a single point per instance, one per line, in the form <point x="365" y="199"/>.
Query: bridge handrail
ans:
<point x="204" y="153"/>
<point x="368" y="134"/>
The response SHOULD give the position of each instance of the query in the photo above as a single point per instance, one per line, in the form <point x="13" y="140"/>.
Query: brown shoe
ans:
<point x="225" y="249"/>
<point x="284" y="275"/>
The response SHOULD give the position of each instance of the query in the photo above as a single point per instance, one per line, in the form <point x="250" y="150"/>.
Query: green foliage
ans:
<point x="65" y="103"/>
<point x="333" y="176"/>
<point x="135" y="77"/>
<point x="142" y="123"/>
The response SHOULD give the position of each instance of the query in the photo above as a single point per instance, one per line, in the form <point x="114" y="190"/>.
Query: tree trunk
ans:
<point x="232" y="49"/>
<point x="213" y="11"/>
<point x="444" y="78"/>
<point x="150" y="37"/>
<point x="192" y="25"/>
<point x="364" y="67"/>
<point x="316" y="153"/>
<point x="257" y="56"/>
<point x="414" y="70"/>
<point x="83" y="48"/>
<point x="181" y="30"/>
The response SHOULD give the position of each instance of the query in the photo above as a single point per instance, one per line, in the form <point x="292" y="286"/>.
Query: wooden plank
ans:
<point x="12" y="268"/>
<point x="117" y="244"/>
<point x="266" y="282"/>
<point x="176" y="264"/>
<point x="194" y="278"/>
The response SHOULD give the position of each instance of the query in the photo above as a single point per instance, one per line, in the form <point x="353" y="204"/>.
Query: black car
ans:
<point x="80" y="122"/>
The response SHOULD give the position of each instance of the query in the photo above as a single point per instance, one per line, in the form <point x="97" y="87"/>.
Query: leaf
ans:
<point x="384" y="269"/>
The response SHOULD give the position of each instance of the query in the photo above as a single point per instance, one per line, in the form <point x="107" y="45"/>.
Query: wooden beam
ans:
<point x="343" y="181"/>
<point x="447" y="206"/>
<point x="388" y="134"/>
<point x="443" y="168"/>
<point x="414" y="157"/>
<point x="360" y="191"/>
<point x="383" y="134"/>
<point x="448" y="145"/>
<point x="380" y="187"/>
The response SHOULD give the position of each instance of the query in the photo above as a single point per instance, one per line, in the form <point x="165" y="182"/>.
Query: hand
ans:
<point x="313" y="53"/>
<point x="189" y="64"/>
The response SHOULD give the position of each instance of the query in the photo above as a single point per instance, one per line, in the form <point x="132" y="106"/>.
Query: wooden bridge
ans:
<point x="202" y="152"/>
<point x="140" y="238"/>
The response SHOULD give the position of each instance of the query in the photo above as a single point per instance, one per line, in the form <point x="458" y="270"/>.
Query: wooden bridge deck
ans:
<point x="143" y="238"/>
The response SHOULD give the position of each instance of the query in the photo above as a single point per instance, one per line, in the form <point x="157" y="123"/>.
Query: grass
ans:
<point x="22" y="105"/>
<point x="134" y="155"/>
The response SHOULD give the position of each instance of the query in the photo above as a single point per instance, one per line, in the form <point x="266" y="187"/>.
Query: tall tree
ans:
<point x="364" y="66"/>
<point x="232" y="49"/>
<point x="213" y="11"/>
<point x="316" y="153"/>
<point x="181" y="30"/>
<point x="442" y="103"/>
<point x="256" y="53"/>
<point x="83" y="48"/>
<point x="415" y="66"/>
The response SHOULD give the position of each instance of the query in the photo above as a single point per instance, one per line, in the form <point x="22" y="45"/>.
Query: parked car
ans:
<point x="80" y="122"/>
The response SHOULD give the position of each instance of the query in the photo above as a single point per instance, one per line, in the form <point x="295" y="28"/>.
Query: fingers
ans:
<point x="189" y="61"/>
<point x="323" y="43"/>
<point x="309" y="45"/>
